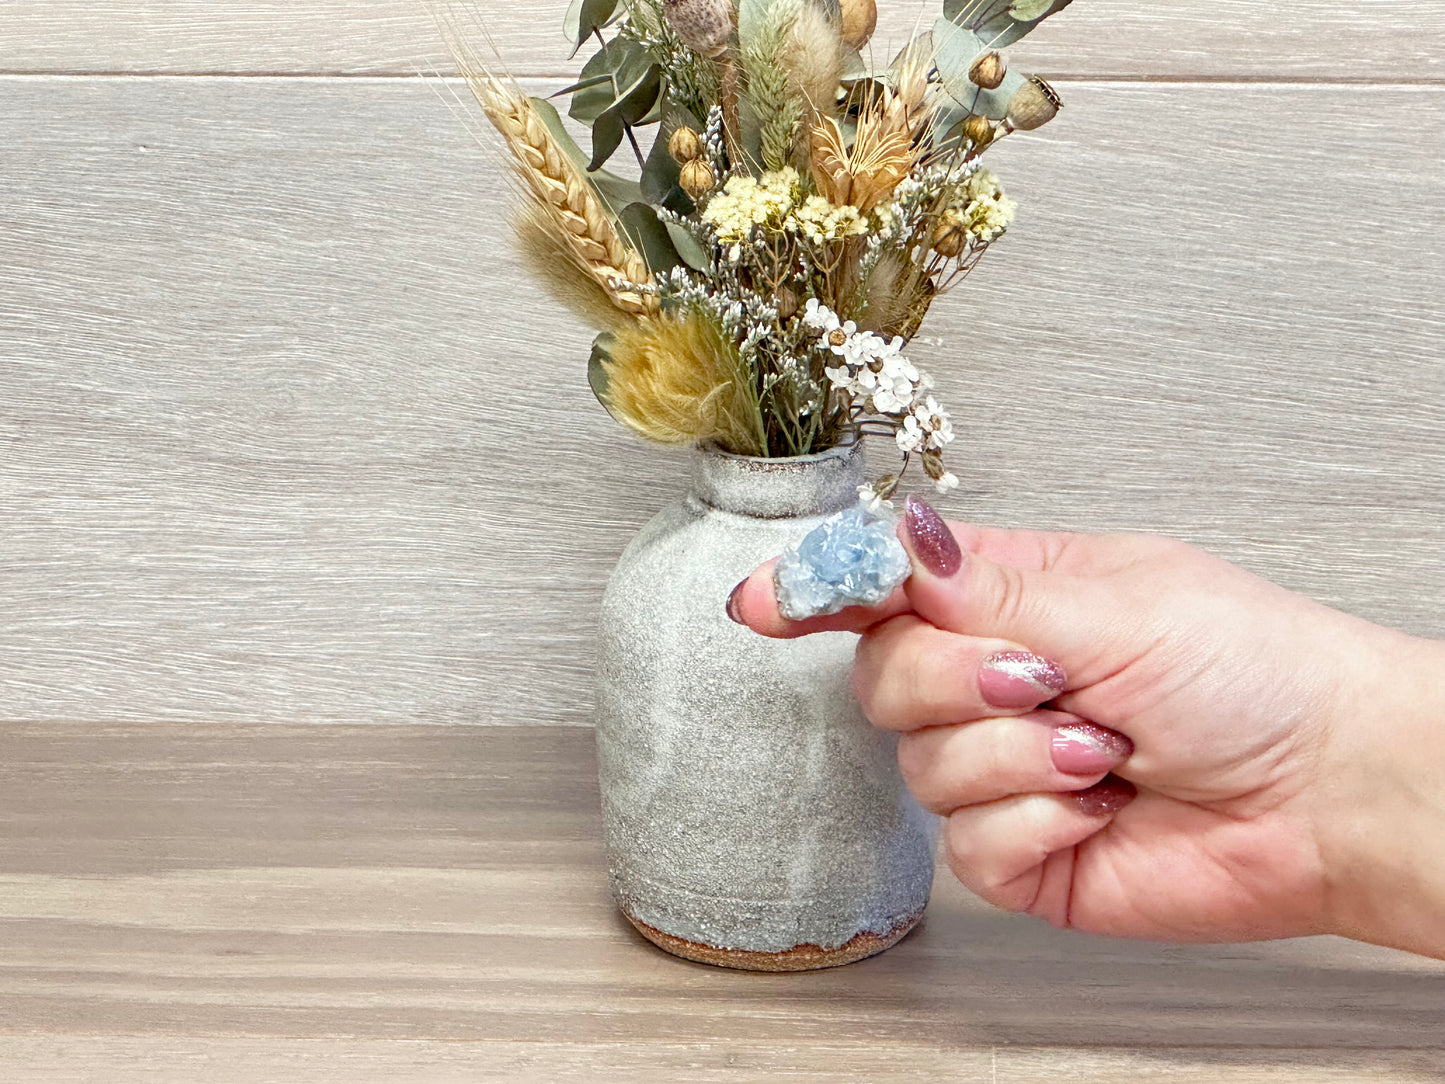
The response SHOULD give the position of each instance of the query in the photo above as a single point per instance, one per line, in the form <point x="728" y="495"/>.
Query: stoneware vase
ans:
<point x="754" y="818"/>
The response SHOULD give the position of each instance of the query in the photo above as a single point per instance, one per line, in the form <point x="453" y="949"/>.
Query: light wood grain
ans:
<point x="1336" y="40"/>
<point x="182" y="902"/>
<point x="290" y="434"/>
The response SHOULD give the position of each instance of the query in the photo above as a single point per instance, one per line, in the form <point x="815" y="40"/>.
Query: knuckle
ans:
<point x="1011" y="607"/>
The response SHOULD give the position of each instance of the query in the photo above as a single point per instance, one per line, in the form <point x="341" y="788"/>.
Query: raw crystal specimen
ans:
<point x="852" y="559"/>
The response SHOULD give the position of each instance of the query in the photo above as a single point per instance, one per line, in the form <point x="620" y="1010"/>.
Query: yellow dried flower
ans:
<point x="986" y="212"/>
<point x="746" y="202"/>
<point x="820" y="221"/>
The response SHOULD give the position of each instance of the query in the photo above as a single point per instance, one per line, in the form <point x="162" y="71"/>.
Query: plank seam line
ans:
<point x="385" y="76"/>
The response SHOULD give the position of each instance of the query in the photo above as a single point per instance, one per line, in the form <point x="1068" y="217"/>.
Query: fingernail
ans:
<point x="933" y="543"/>
<point x="1105" y="797"/>
<point x="1087" y="749"/>
<point x="1018" y="679"/>
<point x="733" y="602"/>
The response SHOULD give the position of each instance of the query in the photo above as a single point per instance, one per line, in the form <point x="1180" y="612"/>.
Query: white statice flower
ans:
<point x="945" y="482"/>
<point x="746" y="202"/>
<point x="820" y="221"/>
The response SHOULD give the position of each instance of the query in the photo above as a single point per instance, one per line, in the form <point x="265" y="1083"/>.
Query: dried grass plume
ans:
<point x="677" y="380"/>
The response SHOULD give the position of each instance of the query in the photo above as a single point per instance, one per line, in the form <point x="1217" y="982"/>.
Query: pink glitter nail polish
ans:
<point x="933" y="543"/>
<point x="1018" y="679"/>
<point x="1087" y="749"/>
<point x="1106" y="797"/>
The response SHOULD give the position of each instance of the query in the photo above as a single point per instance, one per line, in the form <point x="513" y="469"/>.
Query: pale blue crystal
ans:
<point x="852" y="559"/>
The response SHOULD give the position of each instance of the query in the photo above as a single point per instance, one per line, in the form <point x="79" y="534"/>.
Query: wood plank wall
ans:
<point x="288" y="435"/>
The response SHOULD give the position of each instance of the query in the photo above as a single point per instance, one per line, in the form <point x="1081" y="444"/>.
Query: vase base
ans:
<point x="797" y="958"/>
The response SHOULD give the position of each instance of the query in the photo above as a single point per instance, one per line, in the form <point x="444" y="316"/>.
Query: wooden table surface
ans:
<point x="375" y="903"/>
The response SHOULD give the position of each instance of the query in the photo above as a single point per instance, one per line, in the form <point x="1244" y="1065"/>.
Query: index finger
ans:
<point x="754" y="603"/>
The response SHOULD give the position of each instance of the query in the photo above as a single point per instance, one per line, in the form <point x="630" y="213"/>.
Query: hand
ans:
<point x="1216" y="759"/>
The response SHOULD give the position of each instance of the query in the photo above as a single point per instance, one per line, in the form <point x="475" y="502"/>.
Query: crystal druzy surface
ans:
<point x="852" y="559"/>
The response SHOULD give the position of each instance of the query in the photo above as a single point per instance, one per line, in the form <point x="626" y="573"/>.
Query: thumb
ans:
<point x="1005" y="585"/>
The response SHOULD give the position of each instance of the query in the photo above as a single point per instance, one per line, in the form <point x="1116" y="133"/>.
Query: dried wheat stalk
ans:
<point x="567" y="197"/>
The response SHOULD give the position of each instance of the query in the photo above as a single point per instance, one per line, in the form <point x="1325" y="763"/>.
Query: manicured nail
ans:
<point x="1087" y="749"/>
<point x="1018" y="679"/>
<point x="933" y="543"/>
<point x="733" y="602"/>
<point x="1105" y="797"/>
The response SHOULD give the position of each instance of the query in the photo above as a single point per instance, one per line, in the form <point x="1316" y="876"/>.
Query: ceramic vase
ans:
<point x="754" y="819"/>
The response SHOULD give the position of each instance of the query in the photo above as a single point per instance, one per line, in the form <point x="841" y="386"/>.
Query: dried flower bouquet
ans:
<point x="794" y="216"/>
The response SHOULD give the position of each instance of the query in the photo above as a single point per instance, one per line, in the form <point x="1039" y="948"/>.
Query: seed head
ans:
<point x="685" y="145"/>
<point x="988" y="71"/>
<point x="859" y="20"/>
<point x="697" y="178"/>
<point x="980" y="131"/>
<point x="1033" y="105"/>
<point x="704" y="26"/>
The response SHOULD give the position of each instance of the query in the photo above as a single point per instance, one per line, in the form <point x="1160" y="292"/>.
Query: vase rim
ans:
<point x="778" y="488"/>
<point x="852" y="443"/>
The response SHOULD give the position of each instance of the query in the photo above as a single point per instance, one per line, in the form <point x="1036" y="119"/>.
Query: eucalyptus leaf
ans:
<point x="597" y="371"/>
<point x="650" y="236"/>
<point x="596" y="88"/>
<point x="586" y="17"/>
<point x="1030" y="10"/>
<point x="615" y="192"/>
<point x="638" y="99"/>
<point x="954" y="51"/>
<point x="688" y="247"/>
<point x="1001" y="22"/>
<point x="607" y="132"/>
<point x="661" y="172"/>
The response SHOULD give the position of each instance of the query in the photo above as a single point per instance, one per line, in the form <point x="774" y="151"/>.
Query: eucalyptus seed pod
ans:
<point x="988" y="71"/>
<point x="859" y="18"/>
<point x="980" y="131"/>
<point x="685" y="145"/>
<point x="1033" y="105"/>
<point x="704" y="26"/>
<point x="950" y="235"/>
<point x="697" y="178"/>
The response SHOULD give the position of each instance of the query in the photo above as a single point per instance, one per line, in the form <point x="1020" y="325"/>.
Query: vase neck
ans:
<point x="806" y="485"/>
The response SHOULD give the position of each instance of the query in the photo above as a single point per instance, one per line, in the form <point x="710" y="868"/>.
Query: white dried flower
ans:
<point x="872" y="501"/>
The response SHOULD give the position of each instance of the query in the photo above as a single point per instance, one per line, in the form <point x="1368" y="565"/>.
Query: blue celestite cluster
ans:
<point x="852" y="559"/>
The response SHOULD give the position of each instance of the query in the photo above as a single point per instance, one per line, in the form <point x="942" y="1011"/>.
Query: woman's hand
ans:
<point x="1130" y="737"/>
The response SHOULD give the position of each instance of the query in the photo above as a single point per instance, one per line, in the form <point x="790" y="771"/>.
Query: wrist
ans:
<point x="1383" y="797"/>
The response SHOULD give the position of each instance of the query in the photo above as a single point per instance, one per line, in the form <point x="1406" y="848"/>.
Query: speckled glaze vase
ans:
<point x="754" y="818"/>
